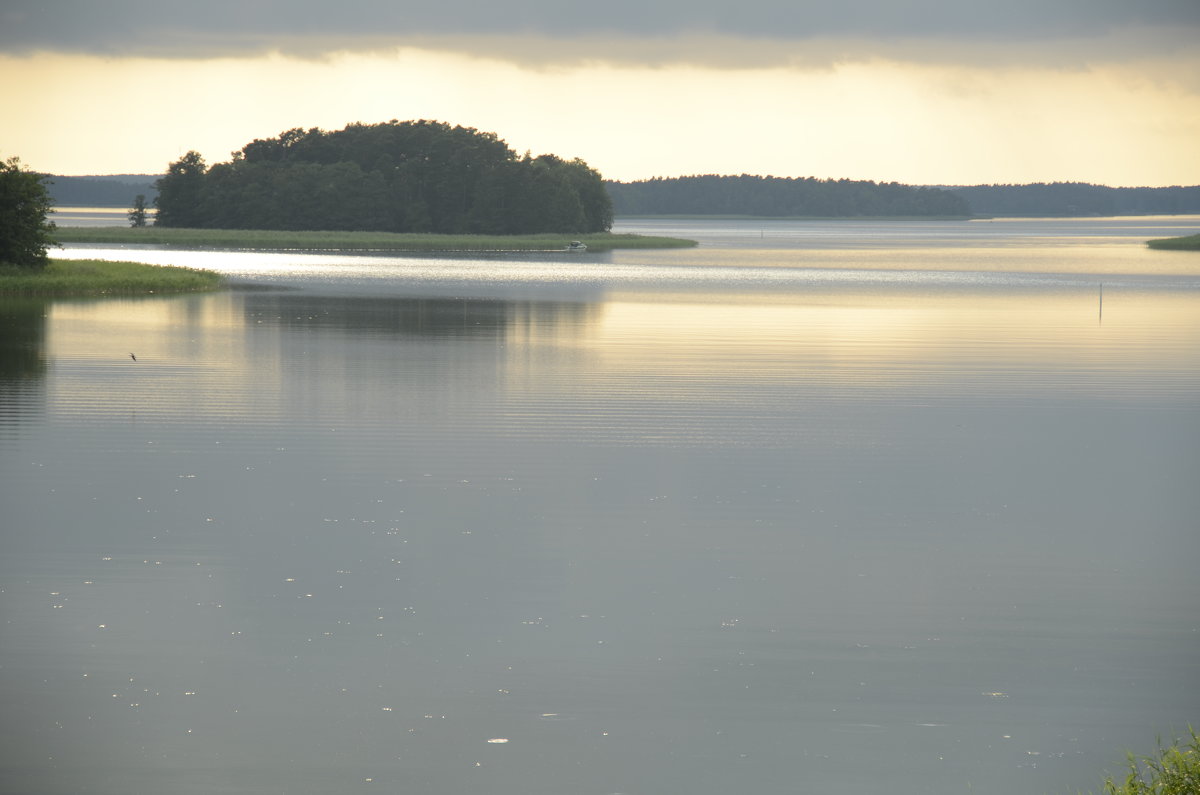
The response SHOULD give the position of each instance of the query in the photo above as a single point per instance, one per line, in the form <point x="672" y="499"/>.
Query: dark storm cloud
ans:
<point x="226" y="27"/>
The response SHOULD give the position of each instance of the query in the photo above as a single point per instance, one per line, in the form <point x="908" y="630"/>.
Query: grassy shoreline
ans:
<point x="358" y="241"/>
<point x="1186" y="243"/>
<point x="90" y="277"/>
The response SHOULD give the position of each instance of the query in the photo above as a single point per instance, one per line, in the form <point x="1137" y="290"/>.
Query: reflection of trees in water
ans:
<point x="22" y="338"/>
<point x="22" y="353"/>
<point x="415" y="317"/>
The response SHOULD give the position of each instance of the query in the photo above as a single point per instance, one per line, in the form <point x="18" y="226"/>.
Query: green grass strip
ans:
<point x="99" y="277"/>
<point x="1189" y="243"/>
<point x="359" y="241"/>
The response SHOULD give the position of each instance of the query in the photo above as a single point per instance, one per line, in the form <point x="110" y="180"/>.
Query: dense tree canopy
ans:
<point x="779" y="197"/>
<point x="413" y="176"/>
<point x="24" y="209"/>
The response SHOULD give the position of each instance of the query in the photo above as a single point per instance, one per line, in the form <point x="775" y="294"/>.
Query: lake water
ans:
<point x="815" y="507"/>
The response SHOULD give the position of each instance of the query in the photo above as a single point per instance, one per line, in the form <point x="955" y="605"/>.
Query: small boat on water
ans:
<point x="576" y="245"/>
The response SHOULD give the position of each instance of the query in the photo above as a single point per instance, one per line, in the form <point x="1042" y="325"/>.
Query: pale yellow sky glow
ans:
<point x="877" y="119"/>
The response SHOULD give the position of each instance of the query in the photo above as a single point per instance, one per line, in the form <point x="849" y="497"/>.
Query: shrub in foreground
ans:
<point x="1173" y="770"/>
<point x="24" y="207"/>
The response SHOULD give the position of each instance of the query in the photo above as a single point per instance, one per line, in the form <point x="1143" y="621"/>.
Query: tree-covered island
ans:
<point x="409" y="177"/>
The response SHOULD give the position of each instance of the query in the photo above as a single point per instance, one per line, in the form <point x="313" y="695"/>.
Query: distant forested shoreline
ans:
<point x="117" y="190"/>
<point x="780" y="197"/>
<point x="409" y="177"/>
<point x="712" y="194"/>
<point x="789" y="197"/>
<point x="1075" y="199"/>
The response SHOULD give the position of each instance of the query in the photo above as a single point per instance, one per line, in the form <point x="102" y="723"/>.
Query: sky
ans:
<point x="931" y="92"/>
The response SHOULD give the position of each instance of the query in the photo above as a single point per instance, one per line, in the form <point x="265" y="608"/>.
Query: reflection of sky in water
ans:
<point x="663" y="524"/>
<point x="699" y="348"/>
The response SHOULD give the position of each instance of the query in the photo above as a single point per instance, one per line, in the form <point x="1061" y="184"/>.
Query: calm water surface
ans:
<point x="840" y="508"/>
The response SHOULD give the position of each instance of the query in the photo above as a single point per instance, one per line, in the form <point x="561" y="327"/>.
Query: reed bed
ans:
<point x="1188" y="243"/>
<point x="101" y="277"/>
<point x="359" y="241"/>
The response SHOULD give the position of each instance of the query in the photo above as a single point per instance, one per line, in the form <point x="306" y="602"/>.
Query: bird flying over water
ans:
<point x="131" y="356"/>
